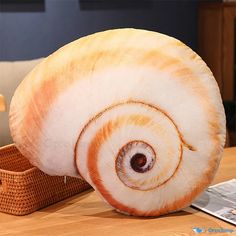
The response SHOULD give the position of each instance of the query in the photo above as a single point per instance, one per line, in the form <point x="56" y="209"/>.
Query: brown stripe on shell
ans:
<point x="158" y="185"/>
<point x="131" y="143"/>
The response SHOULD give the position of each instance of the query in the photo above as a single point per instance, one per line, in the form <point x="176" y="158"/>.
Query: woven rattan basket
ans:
<point x="25" y="189"/>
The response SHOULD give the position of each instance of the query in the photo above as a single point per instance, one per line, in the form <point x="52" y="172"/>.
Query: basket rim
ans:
<point x="15" y="172"/>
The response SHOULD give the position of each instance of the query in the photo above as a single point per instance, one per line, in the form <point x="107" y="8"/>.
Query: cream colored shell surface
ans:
<point x="135" y="113"/>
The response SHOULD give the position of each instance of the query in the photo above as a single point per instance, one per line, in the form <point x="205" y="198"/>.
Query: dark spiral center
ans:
<point x="138" y="161"/>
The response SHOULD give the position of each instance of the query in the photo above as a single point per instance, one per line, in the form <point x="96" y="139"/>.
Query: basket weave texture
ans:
<point x="25" y="189"/>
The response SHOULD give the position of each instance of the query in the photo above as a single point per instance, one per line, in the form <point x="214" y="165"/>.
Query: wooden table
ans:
<point x="86" y="214"/>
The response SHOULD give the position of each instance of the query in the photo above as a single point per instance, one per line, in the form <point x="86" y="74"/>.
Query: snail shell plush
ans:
<point x="135" y="113"/>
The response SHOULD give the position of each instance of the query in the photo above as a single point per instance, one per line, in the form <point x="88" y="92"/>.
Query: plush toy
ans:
<point x="135" y="113"/>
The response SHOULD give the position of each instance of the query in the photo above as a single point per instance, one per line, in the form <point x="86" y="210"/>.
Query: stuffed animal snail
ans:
<point x="137" y="114"/>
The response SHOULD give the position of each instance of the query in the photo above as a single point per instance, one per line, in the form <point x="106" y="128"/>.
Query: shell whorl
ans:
<point x="133" y="112"/>
<point x="136" y="115"/>
<point x="104" y="155"/>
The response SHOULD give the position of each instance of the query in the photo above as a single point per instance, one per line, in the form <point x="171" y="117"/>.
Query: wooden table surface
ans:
<point x="85" y="214"/>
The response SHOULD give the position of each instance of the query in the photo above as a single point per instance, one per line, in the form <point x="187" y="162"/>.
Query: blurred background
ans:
<point x="32" y="29"/>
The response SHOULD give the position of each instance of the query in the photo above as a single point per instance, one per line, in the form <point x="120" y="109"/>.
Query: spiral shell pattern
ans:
<point x="135" y="113"/>
<point x="145" y="128"/>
